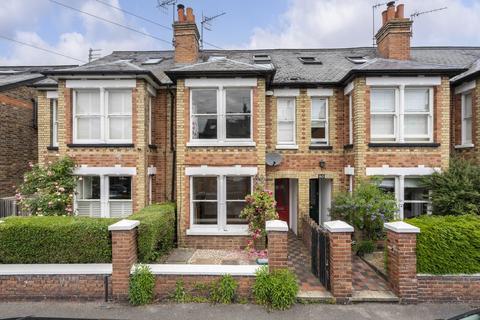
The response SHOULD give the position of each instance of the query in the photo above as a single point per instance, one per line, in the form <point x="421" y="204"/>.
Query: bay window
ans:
<point x="401" y="114"/>
<point x="104" y="196"/>
<point x="319" y="121"/>
<point x="467" y="119"/>
<point x="286" y="121"/>
<point x="217" y="201"/>
<point x="222" y="114"/>
<point x="102" y="116"/>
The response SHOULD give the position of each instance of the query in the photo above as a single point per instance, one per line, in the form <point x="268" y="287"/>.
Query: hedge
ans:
<point x="55" y="240"/>
<point x="156" y="233"/>
<point x="448" y="244"/>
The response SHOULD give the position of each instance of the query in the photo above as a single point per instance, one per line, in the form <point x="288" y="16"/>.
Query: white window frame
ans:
<point x="399" y="135"/>
<point x="221" y="174"/>
<point x="325" y="141"/>
<point x="293" y="143"/>
<point x="54" y="122"/>
<point x="105" y="194"/>
<point x="221" y="118"/>
<point x="103" y="114"/>
<point x="465" y="142"/>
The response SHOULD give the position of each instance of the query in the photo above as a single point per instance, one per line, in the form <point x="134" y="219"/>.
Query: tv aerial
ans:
<point x="273" y="159"/>
<point x="374" y="8"/>
<point x="419" y="13"/>
<point x="164" y="4"/>
<point x="206" y="24"/>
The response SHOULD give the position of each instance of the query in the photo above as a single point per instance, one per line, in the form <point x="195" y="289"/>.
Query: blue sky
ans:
<point x="247" y="24"/>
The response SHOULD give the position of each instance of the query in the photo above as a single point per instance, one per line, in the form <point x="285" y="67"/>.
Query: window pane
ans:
<point x="411" y="210"/>
<point x="319" y="108"/>
<point x="204" y="188"/>
<point x="286" y="109"/>
<point x="88" y="128"/>
<point x="238" y="187"/>
<point x="414" y="190"/>
<point x="204" y="127"/>
<point x="416" y="100"/>
<point x="119" y="101"/>
<point x="88" y="187"/>
<point x="233" y="213"/>
<point x="88" y="102"/>
<point x="468" y="130"/>
<point x="468" y="106"/>
<point x="238" y="127"/>
<point x="204" y="101"/>
<point x="416" y="125"/>
<point x="318" y="130"/>
<point x="205" y="213"/>
<point x="120" y="188"/>
<point x="238" y="101"/>
<point x="382" y="125"/>
<point x="382" y="100"/>
<point x="120" y="128"/>
<point x="285" y="132"/>
<point x="387" y="185"/>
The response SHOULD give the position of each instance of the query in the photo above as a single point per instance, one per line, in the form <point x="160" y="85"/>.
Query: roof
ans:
<point x="334" y="66"/>
<point x="473" y="71"/>
<point x="12" y="76"/>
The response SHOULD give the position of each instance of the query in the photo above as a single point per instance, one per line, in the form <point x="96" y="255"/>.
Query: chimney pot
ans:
<point x="384" y="17"/>
<point x="400" y="13"/>
<point x="190" y="16"/>
<point x="181" y="13"/>
<point x="390" y="13"/>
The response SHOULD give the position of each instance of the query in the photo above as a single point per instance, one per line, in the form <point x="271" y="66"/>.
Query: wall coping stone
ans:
<point x="276" y="225"/>
<point x="55" y="269"/>
<point x="401" y="227"/>
<point x="450" y="275"/>
<point x="337" y="226"/>
<point x="124" y="225"/>
<point x="203" y="269"/>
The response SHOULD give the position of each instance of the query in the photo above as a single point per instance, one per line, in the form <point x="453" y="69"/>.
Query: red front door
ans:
<point x="282" y="196"/>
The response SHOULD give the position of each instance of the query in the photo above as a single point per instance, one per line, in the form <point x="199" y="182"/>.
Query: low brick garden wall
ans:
<point x="449" y="288"/>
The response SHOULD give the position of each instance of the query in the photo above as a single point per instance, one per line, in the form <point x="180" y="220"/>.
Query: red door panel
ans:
<point x="283" y="199"/>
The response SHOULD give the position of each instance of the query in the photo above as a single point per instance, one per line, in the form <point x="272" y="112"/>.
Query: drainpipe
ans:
<point x="171" y="92"/>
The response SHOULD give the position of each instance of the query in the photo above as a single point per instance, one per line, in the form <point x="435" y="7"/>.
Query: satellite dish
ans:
<point x="273" y="159"/>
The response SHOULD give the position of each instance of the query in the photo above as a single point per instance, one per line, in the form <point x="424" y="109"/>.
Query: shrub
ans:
<point x="448" y="245"/>
<point x="48" y="190"/>
<point x="179" y="294"/>
<point x="224" y="290"/>
<point x="277" y="290"/>
<point x="455" y="191"/>
<point x="363" y="247"/>
<point x="55" y="240"/>
<point x="141" y="288"/>
<point x="156" y="232"/>
<point x="366" y="209"/>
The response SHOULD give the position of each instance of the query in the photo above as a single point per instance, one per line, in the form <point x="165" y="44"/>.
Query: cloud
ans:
<point x="340" y="23"/>
<point x="89" y="32"/>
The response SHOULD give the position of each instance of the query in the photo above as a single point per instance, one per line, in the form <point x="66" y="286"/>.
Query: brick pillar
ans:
<point x="277" y="233"/>
<point x="402" y="260"/>
<point x="124" y="255"/>
<point x="340" y="258"/>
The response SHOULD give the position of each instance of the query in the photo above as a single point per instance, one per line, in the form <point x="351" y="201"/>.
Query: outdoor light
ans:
<point x="322" y="164"/>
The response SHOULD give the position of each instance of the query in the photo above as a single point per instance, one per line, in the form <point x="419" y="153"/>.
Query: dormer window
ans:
<point x="357" y="59"/>
<point x="216" y="58"/>
<point x="262" y="58"/>
<point x="152" y="61"/>
<point x="309" y="60"/>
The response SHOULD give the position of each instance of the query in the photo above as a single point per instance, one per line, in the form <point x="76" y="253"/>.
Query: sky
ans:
<point x="247" y="24"/>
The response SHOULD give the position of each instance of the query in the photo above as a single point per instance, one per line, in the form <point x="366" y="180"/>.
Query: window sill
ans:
<point x="100" y="145"/>
<point x="465" y="146"/>
<point x="222" y="144"/>
<point x="314" y="147"/>
<point x="286" y="147"/>
<point x="404" y="145"/>
<point x="348" y="146"/>
<point x="52" y="148"/>
<point x="152" y="146"/>
<point x="217" y="232"/>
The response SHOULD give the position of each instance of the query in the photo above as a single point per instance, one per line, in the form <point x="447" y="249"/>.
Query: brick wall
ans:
<point x="54" y="287"/>
<point x="18" y="137"/>
<point x="340" y="264"/>
<point x="464" y="289"/>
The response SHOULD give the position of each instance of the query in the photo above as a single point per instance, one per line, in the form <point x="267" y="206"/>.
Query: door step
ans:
<point x="315" y="296"/>
<point x="374" y="296"/>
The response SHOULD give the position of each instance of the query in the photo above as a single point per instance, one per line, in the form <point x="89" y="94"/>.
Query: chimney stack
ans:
<point x="186" y="36"/>
<point x="393" y="38"/>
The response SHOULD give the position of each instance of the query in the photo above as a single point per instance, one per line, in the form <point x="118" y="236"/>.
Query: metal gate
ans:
<point x="320" y="255"/>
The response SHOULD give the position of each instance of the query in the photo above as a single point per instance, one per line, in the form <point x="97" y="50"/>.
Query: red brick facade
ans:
<point x="463" y="289"/>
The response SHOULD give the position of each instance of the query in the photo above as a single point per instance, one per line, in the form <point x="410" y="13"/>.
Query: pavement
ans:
<point x="95" y="310"/>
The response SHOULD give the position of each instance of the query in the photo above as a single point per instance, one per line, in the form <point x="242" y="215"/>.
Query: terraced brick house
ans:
<point x="201" y="126"/>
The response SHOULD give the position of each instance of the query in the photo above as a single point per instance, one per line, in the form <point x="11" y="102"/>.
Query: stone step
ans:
<point x="315" y="296"/>
<point x="373" y="296"/>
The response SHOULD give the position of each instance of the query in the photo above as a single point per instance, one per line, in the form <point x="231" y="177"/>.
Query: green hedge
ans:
<point x="55" y="240"/>
<point x="448" y="244"/>
<point x="156" y="232"/>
